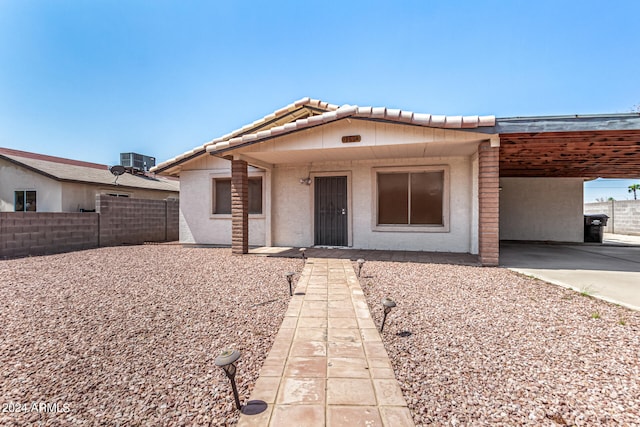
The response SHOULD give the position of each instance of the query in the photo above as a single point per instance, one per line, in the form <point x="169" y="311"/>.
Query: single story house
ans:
<point x="317" y="174"/>
<point x="40" y="183"/>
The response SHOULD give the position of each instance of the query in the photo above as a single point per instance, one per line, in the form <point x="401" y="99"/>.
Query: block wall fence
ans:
<point x="624" y="215"/>
<point x="117" y="221"/>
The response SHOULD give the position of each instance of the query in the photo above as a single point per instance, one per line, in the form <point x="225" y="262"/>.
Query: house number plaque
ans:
<point x="351" y="138"/>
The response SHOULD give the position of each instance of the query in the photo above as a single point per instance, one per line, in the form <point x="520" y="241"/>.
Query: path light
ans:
<point x="387" y="304"/>
<point x="360" y="264"/>
<point x="227" y="361"/>
<point x="304" y="257"/>
<point x="289" y="277"/>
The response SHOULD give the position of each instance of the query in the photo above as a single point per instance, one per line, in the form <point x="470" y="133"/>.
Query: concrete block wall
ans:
<point x="41" y="233"/>
<point x="117" y="221"/>
<point x="624" y="215"/>
<point x="173" y="220"/>
<point x="134" y="221"/>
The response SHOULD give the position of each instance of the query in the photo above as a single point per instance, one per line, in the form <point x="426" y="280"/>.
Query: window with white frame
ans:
<point x="222" y="196"/>
<point x="25" y="201"/>
<point x="414" y="197"/>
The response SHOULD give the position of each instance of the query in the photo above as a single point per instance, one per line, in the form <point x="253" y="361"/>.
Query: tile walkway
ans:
<point x="327" y="366"/>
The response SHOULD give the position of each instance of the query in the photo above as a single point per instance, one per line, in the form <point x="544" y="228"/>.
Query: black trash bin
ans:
<point x="594" y="227"/>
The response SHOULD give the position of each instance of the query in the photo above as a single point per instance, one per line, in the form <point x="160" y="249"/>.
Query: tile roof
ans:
<point x="70" y="170"/>
<point x="285" y="121"/>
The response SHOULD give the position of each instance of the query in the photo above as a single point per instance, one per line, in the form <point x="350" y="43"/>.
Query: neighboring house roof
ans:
<point x="307" y="113"/>
<point x="68" y="170"/>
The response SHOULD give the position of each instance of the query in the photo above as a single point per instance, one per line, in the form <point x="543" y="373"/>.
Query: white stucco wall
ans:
<point x="293" y="207"/>
<point x="13" y="177"/>
<point x="197" y="223"/>
<point x="288" y="204"/>
<point x="544" y="209"/>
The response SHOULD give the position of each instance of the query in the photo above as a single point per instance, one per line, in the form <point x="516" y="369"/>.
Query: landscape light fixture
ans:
<point x="387" y="304"/>
<point x="289" y="277"/>
<point x="360" y="264"/>
<point x="304" y="257"/>
<point x="227" y="361"/>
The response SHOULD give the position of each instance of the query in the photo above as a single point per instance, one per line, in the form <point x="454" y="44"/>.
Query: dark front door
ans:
<point x="331" y="211"/>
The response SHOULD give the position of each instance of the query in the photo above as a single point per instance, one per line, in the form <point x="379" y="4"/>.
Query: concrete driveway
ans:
<point x="610" y="271"/>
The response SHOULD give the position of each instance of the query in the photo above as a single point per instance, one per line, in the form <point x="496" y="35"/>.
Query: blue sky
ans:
<point x="90" y="79"/>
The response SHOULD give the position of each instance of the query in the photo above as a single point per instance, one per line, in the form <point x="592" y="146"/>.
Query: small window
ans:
<point x="25" y="201"/>
<point x="222" y="196"/>
<point x="411" y="198"/>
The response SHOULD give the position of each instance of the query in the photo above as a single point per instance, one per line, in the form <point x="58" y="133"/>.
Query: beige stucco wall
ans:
<point x="543" y="209"/>
<point x="76" y="196"/>
<point x="56" y="196"/>
<point x="197" y="223"/>
<point x="13" y="177"/>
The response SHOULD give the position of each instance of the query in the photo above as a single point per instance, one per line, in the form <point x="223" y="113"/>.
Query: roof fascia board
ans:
<point x="258" y="141"/>
<point x="568" y="124"/>
<point x="275" y="119"/>
<point x="181" y="161"/>
<point x="246" y="131"/>
<point x="31" y="168"/>
<point x="366" y="119"/>
<point x="75" y="181"/>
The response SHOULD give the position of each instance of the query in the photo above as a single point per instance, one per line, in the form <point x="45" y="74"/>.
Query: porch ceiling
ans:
<point x="589" y="154"/>
<point x="413" y="150"/>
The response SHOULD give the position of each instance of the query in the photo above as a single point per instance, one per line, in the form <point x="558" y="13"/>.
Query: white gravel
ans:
<point x="486" y="346"/>
<point x="128" y="335"/>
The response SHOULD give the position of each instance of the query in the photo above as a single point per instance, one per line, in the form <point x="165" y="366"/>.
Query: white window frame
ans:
<point x="413" y="228"/>
<point x="212" y="195"/>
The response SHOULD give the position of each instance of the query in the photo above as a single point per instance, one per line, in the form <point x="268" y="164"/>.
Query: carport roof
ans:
<point x="583" y="146"/>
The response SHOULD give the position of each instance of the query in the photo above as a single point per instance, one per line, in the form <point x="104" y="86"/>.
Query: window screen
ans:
<point x="222" y="195"/>
<point x="411" y="198"/>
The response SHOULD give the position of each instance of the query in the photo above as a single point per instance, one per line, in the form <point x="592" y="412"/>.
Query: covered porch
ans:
<point x="370" y="179"/>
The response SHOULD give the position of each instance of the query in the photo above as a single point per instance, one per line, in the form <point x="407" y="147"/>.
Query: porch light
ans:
<point x="360" y="264"/>
<point x="304" y="257"/>
<point x="227" y="361"/>
<point x="387" y="305"/>
<point x="289" y="277"/>
<point x="306" y="181"/>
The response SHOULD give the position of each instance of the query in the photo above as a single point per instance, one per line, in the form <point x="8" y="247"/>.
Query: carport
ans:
<point x="544" y="162"/>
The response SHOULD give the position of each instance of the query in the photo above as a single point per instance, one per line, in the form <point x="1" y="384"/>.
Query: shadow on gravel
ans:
<point x="370" y="255"/>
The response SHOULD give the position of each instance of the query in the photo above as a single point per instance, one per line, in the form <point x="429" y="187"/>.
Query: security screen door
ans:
<point x="330" y="211"/>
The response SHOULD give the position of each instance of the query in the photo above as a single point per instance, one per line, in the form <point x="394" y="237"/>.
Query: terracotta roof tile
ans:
<point x="268" y="126"/>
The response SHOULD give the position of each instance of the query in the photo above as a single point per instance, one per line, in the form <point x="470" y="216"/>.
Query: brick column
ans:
<point x="489" y="206"/>
<point x="239" y="208"/>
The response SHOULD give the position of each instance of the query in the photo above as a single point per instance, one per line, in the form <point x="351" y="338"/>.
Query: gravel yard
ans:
<point x="485" y="346"/>
<point x="128" y="335"/>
